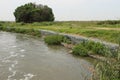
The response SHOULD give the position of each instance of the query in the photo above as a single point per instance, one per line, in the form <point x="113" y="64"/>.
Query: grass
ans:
<point x="109" y="69"/>
<point x="22" y="30"/>
<point x="80" y="50"/>
<point x="96" y="29"/>
<point x="54" y="39"/>
<point x="89" y="47"/>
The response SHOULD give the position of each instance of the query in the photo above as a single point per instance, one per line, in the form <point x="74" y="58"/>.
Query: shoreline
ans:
<point x="75" y="39"/>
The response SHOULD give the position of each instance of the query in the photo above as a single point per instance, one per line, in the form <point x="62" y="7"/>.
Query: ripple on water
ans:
<point x="14" y="46"/>
<point x="11" y="69"/>
<point x="12" y="53"/>
<point x="22" y="50"/>
<point x="22" y="55"/>
<point x="28" y="76"/>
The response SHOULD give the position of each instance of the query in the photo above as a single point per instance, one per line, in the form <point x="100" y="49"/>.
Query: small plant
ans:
<point x="80" y="50"/>
<point x="22" y="23"/>
<point x="0" y="24"/>
<point x="54" y="39"/>
<point x="89" y="45"/>
<point x="22" y="31"/>
<point x="67" y="40"/>
<point x="99" y="48"/>
<point x="1" y="28"/>
<point x="34" y="32"/>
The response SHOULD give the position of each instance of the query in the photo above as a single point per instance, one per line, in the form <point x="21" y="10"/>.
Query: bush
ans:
<point x="34" y="32"/>
<point x="88" y="45"/>
<point x="31" y="12"/>
<point x="22" y="23"/>
<point x="96" y="47"/>
<point x="91" y="47"/>
<point x="54" y="39"/>
<point x="80" y="50"/>
<point x="67" y="40"/>
<point x="1" y="28"/>
<point x="99" y="48"/>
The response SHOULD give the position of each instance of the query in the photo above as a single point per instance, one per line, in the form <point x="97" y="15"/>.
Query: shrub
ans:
<point x="67" y="40"/>
<point x="34" y="32"/>
<point x="22" y="31"/>
<point x="99" y="48"/>
<point x="89" y="45"/>
<point x="10" y="29"/>
<point x="54" y="39"/>
<point x="1" y="27"/>
<point x="31" y="12"/>
<point x="21" y="23"/>
<point x="80" y="50"/>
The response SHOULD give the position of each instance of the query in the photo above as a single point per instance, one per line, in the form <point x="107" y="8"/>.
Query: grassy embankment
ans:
<point x="105" y="30"/>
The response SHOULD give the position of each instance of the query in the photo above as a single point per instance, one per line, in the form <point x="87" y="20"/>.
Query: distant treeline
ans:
<point x="111" y="22"/>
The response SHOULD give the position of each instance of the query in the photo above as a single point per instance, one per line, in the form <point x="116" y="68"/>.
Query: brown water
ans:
<point x="24" y="57"/>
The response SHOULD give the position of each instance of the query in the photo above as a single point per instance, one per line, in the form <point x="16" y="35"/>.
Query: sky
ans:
<point x="68" y="10"/>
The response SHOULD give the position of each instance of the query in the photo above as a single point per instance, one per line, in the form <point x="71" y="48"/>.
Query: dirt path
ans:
<point x="98" y="28"/>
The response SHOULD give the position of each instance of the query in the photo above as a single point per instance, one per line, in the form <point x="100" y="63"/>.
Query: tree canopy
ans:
<point x="31" y="12"/>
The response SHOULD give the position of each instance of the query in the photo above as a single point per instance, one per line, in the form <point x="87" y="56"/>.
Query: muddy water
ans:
<point x="24" y="57"/>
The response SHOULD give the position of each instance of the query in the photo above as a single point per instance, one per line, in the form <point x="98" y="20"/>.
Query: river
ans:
<point x="24" y="57"/>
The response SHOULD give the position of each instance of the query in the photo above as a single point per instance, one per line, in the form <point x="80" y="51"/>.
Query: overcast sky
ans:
<point x="68" y="9"/>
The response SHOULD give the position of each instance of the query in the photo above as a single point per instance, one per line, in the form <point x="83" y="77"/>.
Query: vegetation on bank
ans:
<point x="56" y="39"/>
<point x="106" y="32"/>
<point x="21" y="30"/>
<point x="80" y="50"/>
<point x="89" y="47"/>
<point x="108" y="69"/>
<point x="84" y="48"/>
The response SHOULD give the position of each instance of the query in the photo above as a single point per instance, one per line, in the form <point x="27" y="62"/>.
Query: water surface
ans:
<point x="23" y="57"/>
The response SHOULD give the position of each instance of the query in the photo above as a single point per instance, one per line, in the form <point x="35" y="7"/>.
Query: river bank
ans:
<point x="90" y="29"/>
<point x="73" y="38"/>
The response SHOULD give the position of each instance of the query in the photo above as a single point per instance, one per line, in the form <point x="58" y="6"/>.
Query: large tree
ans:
<point x="31" y="12"/>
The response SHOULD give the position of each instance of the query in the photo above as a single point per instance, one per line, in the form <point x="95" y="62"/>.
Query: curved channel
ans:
<point x="24" y="57"/>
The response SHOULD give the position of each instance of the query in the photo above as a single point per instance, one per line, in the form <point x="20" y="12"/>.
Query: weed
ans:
<point x="80" y="50"/>
<point x="54" y="39"/>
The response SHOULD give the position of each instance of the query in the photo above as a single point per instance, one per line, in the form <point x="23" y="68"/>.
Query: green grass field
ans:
<point x="104" y="30"/>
